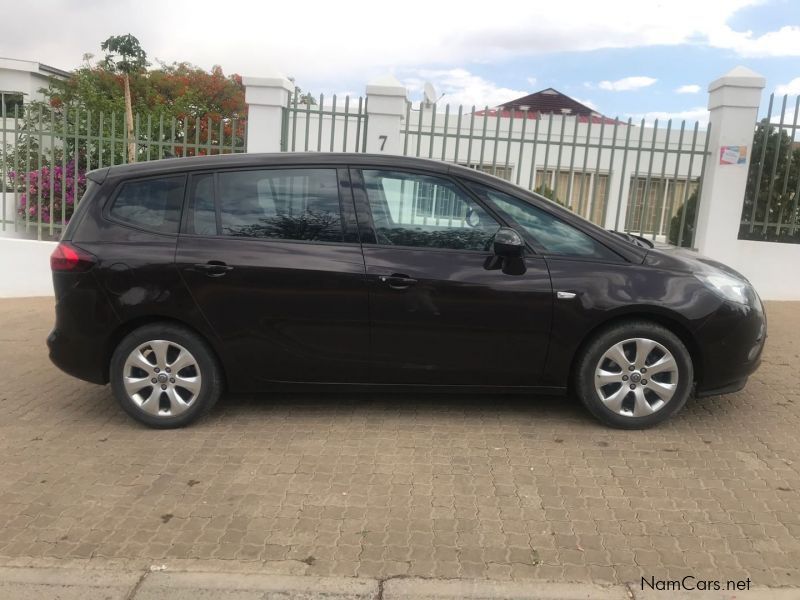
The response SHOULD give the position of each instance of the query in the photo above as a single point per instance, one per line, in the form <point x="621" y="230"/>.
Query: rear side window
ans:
<point x="284" y="204"/>
<point x="151" y="204"/>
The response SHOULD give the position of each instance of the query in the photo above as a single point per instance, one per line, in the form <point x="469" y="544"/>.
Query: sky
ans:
<point x="628" y="58"/>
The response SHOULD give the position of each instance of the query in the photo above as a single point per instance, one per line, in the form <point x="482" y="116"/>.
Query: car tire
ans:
<point x="165" y="376"/>
<point x="634" y="374"/>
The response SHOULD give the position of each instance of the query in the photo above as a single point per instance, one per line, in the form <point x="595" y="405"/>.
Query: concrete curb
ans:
<point x="70" y="583"/>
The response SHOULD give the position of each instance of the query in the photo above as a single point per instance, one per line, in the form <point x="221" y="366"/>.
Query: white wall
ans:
<point x="25" y="268"/>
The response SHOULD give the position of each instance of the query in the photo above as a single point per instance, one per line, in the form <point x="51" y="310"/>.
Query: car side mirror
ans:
<point x="508" y="243"/>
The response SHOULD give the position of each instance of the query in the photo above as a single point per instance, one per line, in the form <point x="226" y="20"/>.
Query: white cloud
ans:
<point x="325" y="46"/>
<point x="532" y="81"/>
<point x="699" y="114"/>
<point x="783" y="42"/>
<point x="792" y="88"/>
<point x="691" y="88"/>
<point x="627" y="83"/>
<point x="459" y="86"/>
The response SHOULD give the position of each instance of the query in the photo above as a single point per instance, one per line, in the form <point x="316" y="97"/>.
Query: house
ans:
<point x="547" y="102"/>
<point x="20" y="82"/>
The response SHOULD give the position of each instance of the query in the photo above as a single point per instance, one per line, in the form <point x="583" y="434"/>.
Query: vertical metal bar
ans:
<point x="622" y="172"/>
<point x="764" y="142"/>
<point x="293" y="113"/>
<point x="674" y="186"/>
<point x="471" y="131"/>
<point x="197" y="125"/>
<point x="135" y="139"/>
<point x="508" y="140"/>
<point x="407" y="131"/>
<point x="333" y="122"/>
<point x="661" y="216"/>
<point x="645" y="197"/>
<point x="775" y="160"/>
<point x="366" y="125"/>
<point x="320" y="122"/>
<point x="596" y="176"/>
<point x="100" y="143"/>
<point x="571" y="163"/>
<point x="444" y="132"/>
<point x="585" y="164"/>
<point x="3" y="166"/>
<point x="419" y="127"/>
<point x="149" y="140"/>
<point x="532" y="174"/>
<point x="700" y="184"/>
<point x="221" y="136"/>
<point x="64" y="147"/>
<point x="161" y="136"/>
<point x="173" y="127"/>
<point x="432" y="137"/>
<point x="547" y="147"/>
<point x="27" y="192"/>
<point x="686" y="187"/>
<point x="88" y="140"/>
<point x="483" y="134"/>
<point x="496" y="141"/>
<point x="346" y="117"/>
<point x="39" y="178"/>
<point x="51" y="179"/>
<point x="558" y="157"/>
<point x="186" y="136"/>
<point x="521" y="144"/>
<point x="458" y="133"/>
<point x="635" y="182"/>
<point x="209" y="144"/>
<point x="113" y="158"/>
<point x="76" y="154"/>
<point x="610" y="171"/>
<point x="16" y="166"/>
<point x="308" y="124"/>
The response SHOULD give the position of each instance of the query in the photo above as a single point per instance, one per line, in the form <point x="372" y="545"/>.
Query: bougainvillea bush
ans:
<point x="37" y="194"/>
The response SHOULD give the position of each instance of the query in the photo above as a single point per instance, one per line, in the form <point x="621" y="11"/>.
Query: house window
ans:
<point x="8" y="102"/>
<point x="577" y="197"/>
<point x="503" y="172"/>
<point x="664" y="198"/>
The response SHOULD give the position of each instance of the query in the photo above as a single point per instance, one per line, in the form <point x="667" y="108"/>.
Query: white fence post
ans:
<point x="733" y="101"/>
<point x="386" y="108"/>
<point x="266" y="98"/>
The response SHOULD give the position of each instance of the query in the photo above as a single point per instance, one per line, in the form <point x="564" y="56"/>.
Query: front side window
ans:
<point x="423" y="211"/>
<point x="553" y="234"/>
<point x="286" y="204"/>
<point x="151" y="204"/>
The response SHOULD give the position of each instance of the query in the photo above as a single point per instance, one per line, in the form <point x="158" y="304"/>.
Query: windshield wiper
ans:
<point x="636" y="240"/>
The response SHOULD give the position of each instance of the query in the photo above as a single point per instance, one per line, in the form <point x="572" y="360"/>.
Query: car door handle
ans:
<point x="213" y="268"/>
<point x="397" y="281"/>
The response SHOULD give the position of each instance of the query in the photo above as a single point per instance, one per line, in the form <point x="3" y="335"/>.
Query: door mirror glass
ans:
<point x="508" y="243"/>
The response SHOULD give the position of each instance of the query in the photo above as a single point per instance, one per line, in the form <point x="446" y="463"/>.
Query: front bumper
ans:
<point x="732" y="341"/>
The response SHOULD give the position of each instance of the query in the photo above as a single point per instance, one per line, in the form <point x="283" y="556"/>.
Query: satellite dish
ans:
<point x="430" y="93"/>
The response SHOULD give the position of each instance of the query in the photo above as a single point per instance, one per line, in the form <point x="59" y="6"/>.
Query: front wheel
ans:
<point x="634" y="375"/>
<point x="165" y="376"/>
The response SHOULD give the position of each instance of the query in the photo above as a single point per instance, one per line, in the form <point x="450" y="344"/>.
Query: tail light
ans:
<point x="67" y="257"/>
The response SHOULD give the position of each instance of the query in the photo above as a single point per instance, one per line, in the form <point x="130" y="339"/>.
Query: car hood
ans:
<point x="667" y="256"/>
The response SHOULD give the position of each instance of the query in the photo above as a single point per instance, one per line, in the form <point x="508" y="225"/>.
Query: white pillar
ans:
<point x="733" y="101"/>
<point x="266" y="97"/>
<point x="386" y="107"/>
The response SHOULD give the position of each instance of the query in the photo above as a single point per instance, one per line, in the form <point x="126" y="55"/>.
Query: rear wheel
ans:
<point x="634" y="374"/>
<point x="165" y="376"/>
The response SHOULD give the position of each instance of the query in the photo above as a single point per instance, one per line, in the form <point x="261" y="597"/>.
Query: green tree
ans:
<point x="125" y="55"/>
<point x="690" y="208"/>
<point x="772" y="199"/>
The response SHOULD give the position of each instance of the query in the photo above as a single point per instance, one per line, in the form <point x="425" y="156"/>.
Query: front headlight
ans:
<point x="727" y="286"/>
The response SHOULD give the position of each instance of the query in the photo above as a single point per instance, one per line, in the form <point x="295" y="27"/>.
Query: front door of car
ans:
<point x="444" y="309"/>
<point x="276" y="268"/>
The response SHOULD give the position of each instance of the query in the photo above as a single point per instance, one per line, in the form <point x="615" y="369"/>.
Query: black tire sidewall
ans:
<point x="585" y="373"/>
<point x="206" y="360"/>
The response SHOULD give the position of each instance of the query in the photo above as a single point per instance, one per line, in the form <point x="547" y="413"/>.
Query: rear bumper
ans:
<point x="732" y="341"/>
<point x="75" y="358"/>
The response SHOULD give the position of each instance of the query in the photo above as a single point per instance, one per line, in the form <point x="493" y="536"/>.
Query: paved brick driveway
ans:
<point x="383" y="485"/>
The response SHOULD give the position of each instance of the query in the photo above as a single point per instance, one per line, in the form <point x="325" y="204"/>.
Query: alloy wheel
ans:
<point x="636" y="377"/>
<point x="162" y="378"/>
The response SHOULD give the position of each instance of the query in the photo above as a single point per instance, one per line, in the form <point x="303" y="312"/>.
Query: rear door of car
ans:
<point x="272" y="259"/>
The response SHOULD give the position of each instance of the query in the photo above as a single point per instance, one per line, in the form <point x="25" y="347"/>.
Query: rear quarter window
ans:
<point x="150" y="204"/>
